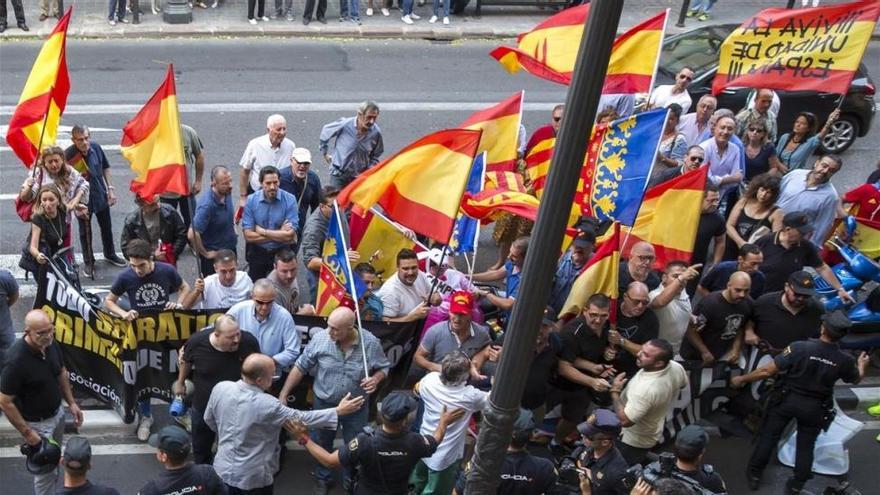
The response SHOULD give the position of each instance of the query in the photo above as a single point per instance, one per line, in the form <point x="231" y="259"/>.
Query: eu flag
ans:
<point x="618" y="170"/>
<point x="466" y="230"/>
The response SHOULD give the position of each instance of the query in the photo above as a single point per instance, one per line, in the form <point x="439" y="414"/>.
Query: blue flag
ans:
<point x="623" y="166"/>
<point x="466" y="231"/>
<point x="336" y="258"/>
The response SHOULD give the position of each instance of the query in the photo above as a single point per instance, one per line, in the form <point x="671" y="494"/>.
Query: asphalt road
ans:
<point x="226" y="90"/>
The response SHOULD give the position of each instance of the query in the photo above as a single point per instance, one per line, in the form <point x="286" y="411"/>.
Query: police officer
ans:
<point x="383" y="459"/>
<point x="599" y="463"/>
<point x="690" y="445"/>
<point x="812" y="367"/>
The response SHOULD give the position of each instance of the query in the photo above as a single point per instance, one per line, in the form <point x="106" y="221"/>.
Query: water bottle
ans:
<point x="177" y="407"/>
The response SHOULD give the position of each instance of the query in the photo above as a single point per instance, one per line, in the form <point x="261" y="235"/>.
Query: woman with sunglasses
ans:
<point x="673" y="144"/>
<point x="796" y="146"/>
<point x="753" y="213"/>
<point x="760" y="152"/>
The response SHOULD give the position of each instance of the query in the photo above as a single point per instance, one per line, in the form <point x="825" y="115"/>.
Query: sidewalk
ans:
<point x="230" y="19"/>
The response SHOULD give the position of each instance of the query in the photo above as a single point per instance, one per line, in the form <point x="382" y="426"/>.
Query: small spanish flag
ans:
<point x="151" y="142"/>
<point x="500" y="125"/>
<point x="599" y="276"/>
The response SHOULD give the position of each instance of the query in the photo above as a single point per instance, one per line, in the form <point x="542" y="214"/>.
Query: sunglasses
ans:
<point x="687" y="78"/>
<point x="557" y="119"/>
<point x="696" y="159"/>
<point x="752" y="129"/>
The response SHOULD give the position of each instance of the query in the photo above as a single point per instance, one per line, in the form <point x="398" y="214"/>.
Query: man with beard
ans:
<point x="272" y="148"/>
<point x="225" y="288"/>
<point x="405" y="295"/>
<point x="693" y="159"/>
<point x="667" y="94"/>
<point x="213" y="355"/>
<point x="546" y="131"/>
<point x="693" y="125"/>
<point x="638" y="267"/>
<point x="213" y="226"/>
<point x="510" y="273"/>
<point x="357" y="144"/>
<point x="749" y="260"/>
<point x="811" y="192"/>
<point x="636" y="324"/>
<point x="716" y="329"/>
<point x="303" y="183"/>
<point x="786" y="316"/>
<point x="269" y="223"/>
<point x="642" y="407"/>
<point x="283" y="277"/>
<point x="458" y="333"/>
<point x="673" y="312"/>
<point x="710" y="230"/>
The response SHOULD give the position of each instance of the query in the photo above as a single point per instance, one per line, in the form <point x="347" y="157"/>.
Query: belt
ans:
<point x="38" y="419"/>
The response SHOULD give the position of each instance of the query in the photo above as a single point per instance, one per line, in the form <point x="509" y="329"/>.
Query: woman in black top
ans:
<point x="760" y="153"/>
<point x="753" y="211"/>
<point x="48" y="228"/>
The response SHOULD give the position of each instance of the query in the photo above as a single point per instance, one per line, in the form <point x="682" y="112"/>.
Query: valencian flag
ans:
<point x="466" y="233"/>
<point x="816" y="49"/>
<point x="669" y="217"/>
<point x="618" y="165"/>
<point x="333" y="283"/>
<point x="500" y="125"/>
<point x="549" y="51"/>
<point x="421" y="186"/>
<point x="487" y="205"/>
<point x="378" y="240"/>
<point x="598" y="276"/>
<point x="151" y="142"/>
<point x="43" y="98"/>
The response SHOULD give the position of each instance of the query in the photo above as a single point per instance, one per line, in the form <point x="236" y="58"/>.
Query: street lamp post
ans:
<point x="540" y="263"/>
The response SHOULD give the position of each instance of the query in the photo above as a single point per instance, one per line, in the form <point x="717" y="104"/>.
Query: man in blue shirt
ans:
<point x="88" y="158"/>
<point x="749" y="260"/>
<point x="510" y="272"/>
<point x="213" y="228"/>
<point x="357" y="147"/>
<point x="269" y="223"/>
<point x="570" y="265"/>
<point x="304" y="184"/>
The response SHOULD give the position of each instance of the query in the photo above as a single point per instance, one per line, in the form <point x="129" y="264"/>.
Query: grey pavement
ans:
<point x="230" y="19"/>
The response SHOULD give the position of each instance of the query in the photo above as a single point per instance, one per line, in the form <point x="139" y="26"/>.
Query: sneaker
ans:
<point x="322" y="20"/>
<point x="369" y="12"/>
<point x="874" y="410"/>
<point x="123" y="20"/>
<point x="415" y="16"/>
<point x="356" y="20"/>
<point x="265" y="19"/>
<point x="692" y="13"/>
<point x="185" y="422"/>
<point x="306" y="21"/>
<point x="422" y="2"/>
<point x="43" y="17"/>
<point x="703" y="17"/>
<point x="290" y="17"/>
<point x="446" y="21"/>
<point x="343" y="18"/>
<point x="112" y="22"/>
<point x="433" y="19"/>
<point x="143" y="431"/>
<point x="385" y="12"/>
<point x="253" y="21"/>
<point x="406" y="19"/>
<point x="215" y="4"/>
<point x="115" y="260"/>
<point x="89" y="270"/>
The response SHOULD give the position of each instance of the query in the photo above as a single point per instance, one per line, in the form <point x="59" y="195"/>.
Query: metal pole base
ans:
<point x="495" y="432"/>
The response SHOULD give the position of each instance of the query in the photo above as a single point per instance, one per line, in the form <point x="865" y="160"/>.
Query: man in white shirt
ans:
<point x="665" y="95"/>
<point x="439" y="391"/>
<point x="673" y="308"/>
<point x="643" y="407"/>
<point x="226" y="287"/>
<point x="693" y="125"/>
<point x="272" y="148"/>
<point x="405" y="295"/>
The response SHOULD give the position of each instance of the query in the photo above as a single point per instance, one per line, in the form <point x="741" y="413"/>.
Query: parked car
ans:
<point x="700" y="49"/>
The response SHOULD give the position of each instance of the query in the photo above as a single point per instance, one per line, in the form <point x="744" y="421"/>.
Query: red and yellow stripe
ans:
<point x="500" y="125"/>
<point x="488" y="204"/>
<point x="598" y="276"/>
<point x="151" y="141"/>
<point x="816" y="49"/>
<point x="43" y="98"/>
<point x="420" y="186"/>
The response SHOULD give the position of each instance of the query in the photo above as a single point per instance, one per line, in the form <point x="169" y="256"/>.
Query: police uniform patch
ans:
<point x="599" y="475"/>
<point x="353" y="445"/>
<point x="786" y="351"/>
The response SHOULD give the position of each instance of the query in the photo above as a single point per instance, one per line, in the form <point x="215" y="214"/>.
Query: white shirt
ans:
<point x="689" y="128"/>
<point x="648" y="396"/>
<point x="260" y="153"/>
<point x="435" y="394"/>
<point x="399" y="299"/>
<point x="217" y="295"/>
<point x="663" y="97"/>
<point x="673" y="317"/>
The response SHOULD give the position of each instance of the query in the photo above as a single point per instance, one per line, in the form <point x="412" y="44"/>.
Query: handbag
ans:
<point x="25" y="209"/>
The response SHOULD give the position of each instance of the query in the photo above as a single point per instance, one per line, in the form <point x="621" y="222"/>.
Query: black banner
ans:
<point x="121" y="362"/>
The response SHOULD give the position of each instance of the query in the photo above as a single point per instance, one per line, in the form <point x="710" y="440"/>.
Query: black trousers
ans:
<point x="310" y="6"/>
<point x="261" y="10"/>
<point x="260" y="260"/>
<point x="202" y="438"/>
<point x="809" y="413"/>
<point x="106" y="227"/>
<point x="184" y="204"/>
<point x="263" y="490"/>
<point x="634" y="455"/>
<point x="16" y="7"/>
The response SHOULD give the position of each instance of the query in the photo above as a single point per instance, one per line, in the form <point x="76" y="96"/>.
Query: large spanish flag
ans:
<point x="816" y="49"/>
<point x="500" y="125"/>
<point x="43" y="98"/>
<point x="598" y="276"/>
<point x="151" y="142"/>
<point x="538" y="158"/>
<point x="669" y="216"/>
<point x="378" y="240"/>
<point x="420" y="186"/>
<point x="550" y="50"/>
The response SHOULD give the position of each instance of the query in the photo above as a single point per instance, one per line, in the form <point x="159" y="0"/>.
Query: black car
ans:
<point x="700" y="49"/>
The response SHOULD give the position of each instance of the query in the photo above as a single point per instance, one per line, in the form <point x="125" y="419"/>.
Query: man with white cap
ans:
<point x="303" y="183"/>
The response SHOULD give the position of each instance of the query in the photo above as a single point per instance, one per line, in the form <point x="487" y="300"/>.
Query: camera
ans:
<point x="662" y="469"/>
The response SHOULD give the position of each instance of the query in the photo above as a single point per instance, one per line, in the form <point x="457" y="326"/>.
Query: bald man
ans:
<point x="636" y="324"/>
<point x="248" y="421"/>
<point x="32" y="385"/>
<point x="718" y="322"/>
<point x="639" y="267"/>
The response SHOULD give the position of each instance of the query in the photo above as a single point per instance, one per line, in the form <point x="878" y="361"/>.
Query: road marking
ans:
<point x="330" y="106"/>
<point x="136" y="449"/>
<point x="64" y="143"/>
<point x="867" y="394"/>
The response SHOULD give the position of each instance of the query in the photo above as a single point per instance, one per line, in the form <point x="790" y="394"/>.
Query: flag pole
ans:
<point x="657" y="61"/>
<point x="350" y="276"/>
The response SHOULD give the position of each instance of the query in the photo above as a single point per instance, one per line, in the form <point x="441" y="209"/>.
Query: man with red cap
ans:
<point x="458" y="333"/>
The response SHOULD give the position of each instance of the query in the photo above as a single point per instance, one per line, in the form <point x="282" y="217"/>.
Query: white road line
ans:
<point x="330" y="106"/>
<point x="10" y="262"/>
<point x="63" y="144"/>
<point x="867" y="394"/>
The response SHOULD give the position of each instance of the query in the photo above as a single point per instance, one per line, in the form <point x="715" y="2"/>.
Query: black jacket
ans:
<point x="172" y="230"/>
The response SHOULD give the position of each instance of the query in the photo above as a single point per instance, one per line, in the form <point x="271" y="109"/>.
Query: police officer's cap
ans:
<point x="397" y="406"/>
<point x="78" y="453"/>
<point x="171" y="439"/>
<point x="692" y="438"/>
<point x="836" y="322"/>
<point x="601" y="421"/>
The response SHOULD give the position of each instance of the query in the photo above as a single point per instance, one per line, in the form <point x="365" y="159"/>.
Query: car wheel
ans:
<point x="842" y="135"/>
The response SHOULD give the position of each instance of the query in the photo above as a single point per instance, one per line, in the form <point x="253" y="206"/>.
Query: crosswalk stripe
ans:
<point x="10" y="262"/>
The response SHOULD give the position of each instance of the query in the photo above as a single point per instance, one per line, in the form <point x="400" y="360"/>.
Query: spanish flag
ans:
<point x="500" y="125"/>
<point x="538" y="158"/>
<point x="866" y="239"/>
<point x="151" y="142"/>
<point x="488" y="204"/>
<point x="598" y="276"/>
<point x="816" y="49"/>
<point x="420" y="186"/>
<point x="669" y="216"/>
<point x="550" y="50"/>
<point x="378" y="240"/>
<point x="43" y="98"/>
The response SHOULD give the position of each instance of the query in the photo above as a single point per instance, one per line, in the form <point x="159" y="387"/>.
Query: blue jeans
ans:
<point x="119" y="7"/>
<point x="445" y="7"/>
<point x="351" y="425"/>
<point x="406" y="8"/>
<point x="702" y="5"/>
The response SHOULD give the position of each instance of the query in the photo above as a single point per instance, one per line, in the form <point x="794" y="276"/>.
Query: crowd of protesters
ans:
<point x="605" y="389"/>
